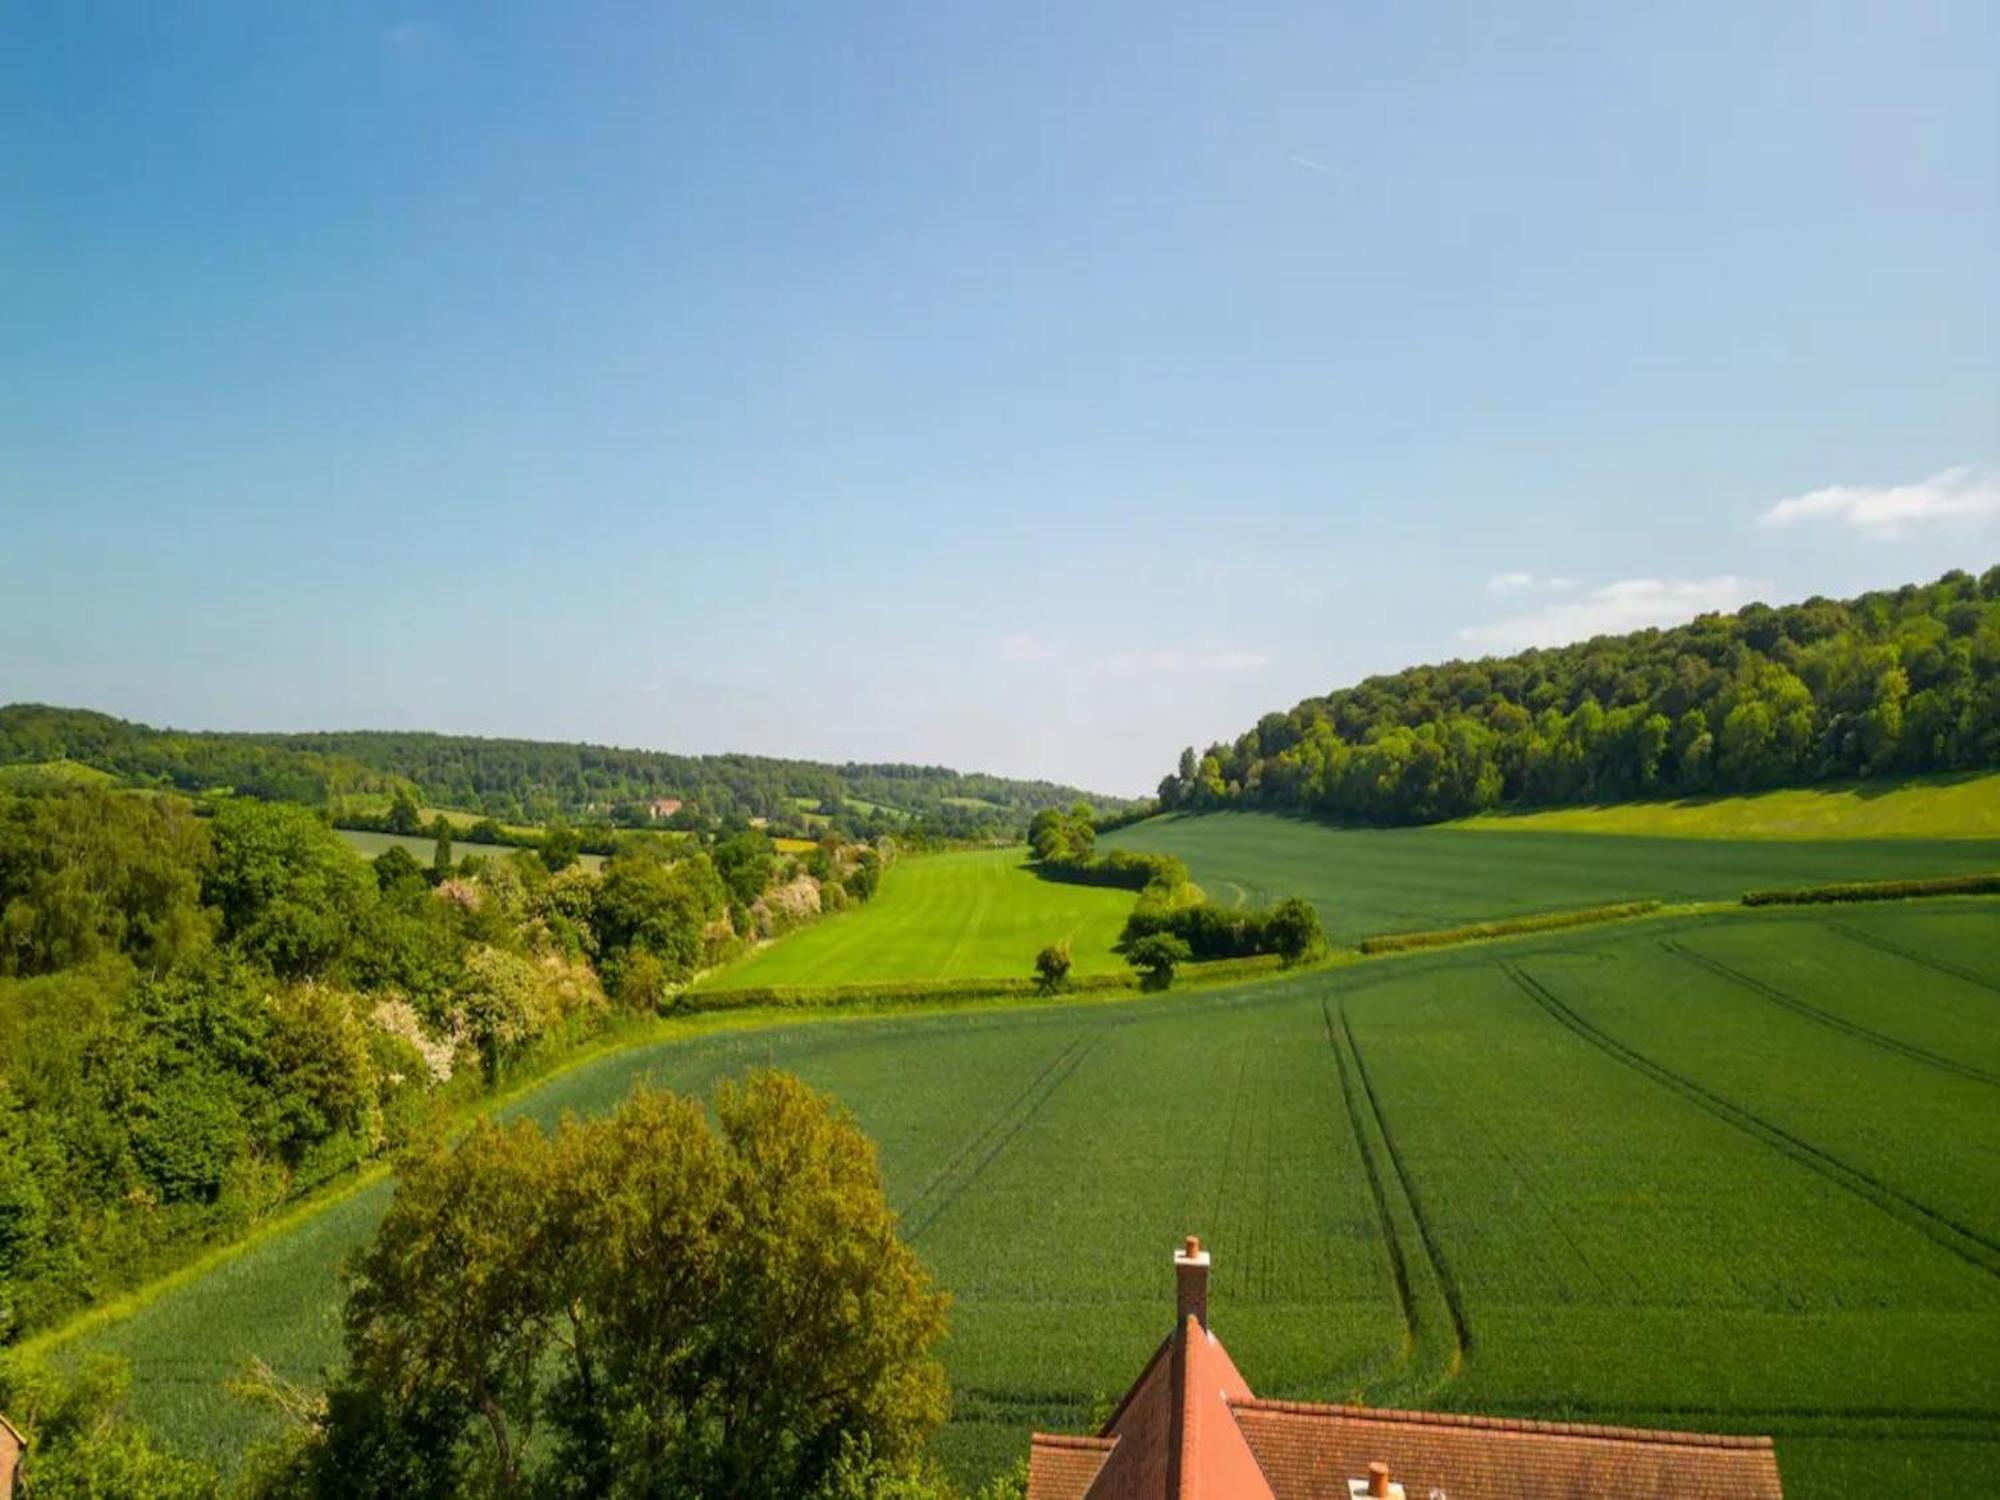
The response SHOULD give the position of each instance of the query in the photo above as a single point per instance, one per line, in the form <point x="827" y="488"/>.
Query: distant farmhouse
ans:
<point x="1191" y="1429"/>
<point x="662" y="807"/>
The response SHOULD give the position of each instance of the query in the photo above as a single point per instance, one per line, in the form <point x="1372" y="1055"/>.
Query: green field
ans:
<point x="1918" y="807"/>
<point x="977" y="914"/>
<point x="1738" y="1171"/>
<point x="370" y="844"/>
<point x="1366" y="881"/>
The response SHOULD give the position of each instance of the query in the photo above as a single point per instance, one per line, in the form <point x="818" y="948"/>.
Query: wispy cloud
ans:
<point x="1528" y="583"/>
<point x="1963" y="494"/>
<point x="1629" y="604"/>
<point x="1315" y="166"/>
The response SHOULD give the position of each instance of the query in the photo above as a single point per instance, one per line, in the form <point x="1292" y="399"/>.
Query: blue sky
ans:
<point x="1034" y="388"/>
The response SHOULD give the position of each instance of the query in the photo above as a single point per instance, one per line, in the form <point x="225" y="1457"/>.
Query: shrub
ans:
<point x="1052" y="966"/>
<point x="1156" y="957"/>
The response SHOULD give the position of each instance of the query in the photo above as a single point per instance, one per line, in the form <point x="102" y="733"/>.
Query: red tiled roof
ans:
<point x="1190" y="1428"/>
<point x="1061" y="1468"/>
<point x="1310" y="1452"/>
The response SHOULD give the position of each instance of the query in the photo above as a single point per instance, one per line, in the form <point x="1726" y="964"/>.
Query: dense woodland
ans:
<point x="530" y="781"/>
<point x="1899" y="681"/>
<point x="202" y="1017"/>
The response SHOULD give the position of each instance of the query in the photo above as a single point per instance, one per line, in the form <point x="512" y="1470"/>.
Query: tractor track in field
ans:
<point x="1912" y="955"/>
<point x="965" y="1168"/>
<point x="1964" y="1242"/>
<point x="1398" y="1266"/>
<point x="1461" y="1330"/>
<point x="1825" y="1018"/>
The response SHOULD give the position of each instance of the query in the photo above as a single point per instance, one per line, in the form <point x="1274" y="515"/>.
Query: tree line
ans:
<point x="529" y="781"/>
<point x="1896" y="681"/>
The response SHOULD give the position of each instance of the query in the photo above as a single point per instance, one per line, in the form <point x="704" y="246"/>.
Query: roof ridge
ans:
<point x="1664" y="1436"/>
<point x="1072" y="1440"/>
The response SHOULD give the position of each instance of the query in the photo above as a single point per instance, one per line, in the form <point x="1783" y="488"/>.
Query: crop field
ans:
<point x="370" y="844"/>
<point x="977" y="914"/>
<point x="1367" y="881"/>
<point x="1738" y="1171"/>
<point x="1915" y="807"/>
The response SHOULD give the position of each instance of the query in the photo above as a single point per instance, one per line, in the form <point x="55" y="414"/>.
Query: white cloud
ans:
<point x="1524" y="583"/>
<point x="1629" y="604"/>
<point x="1961" y="494"/>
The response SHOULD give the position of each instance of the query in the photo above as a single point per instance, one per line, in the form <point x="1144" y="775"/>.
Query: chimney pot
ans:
<point x="1378" y="1480"/>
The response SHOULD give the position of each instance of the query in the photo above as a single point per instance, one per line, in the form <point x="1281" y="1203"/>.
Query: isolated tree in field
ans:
<point x="441" y="848"/>
<point x="644" y="1304"/>
<point x="1292" y="930"/>
<point x="1156" y="957"/>
<point x="1052" y="966"/>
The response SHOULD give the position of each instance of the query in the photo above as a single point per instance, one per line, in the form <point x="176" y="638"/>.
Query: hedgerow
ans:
<point x="1874" y="890"/>
<point x="1398" y="942"/>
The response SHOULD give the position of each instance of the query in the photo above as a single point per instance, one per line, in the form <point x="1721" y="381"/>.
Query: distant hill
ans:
<point x="520" y="780"/>
<point x="1898" y="681"/>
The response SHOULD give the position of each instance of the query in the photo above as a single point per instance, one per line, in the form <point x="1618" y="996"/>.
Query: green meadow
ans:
<point x="1375" y="880"/>
<point x="1965" y="806"/>
<point x="1739" y="1171"/>
<point x="975" y="914"/>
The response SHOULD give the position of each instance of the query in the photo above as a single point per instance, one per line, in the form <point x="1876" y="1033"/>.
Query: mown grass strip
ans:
<point x="1875" y="890"/>
<point x="954" y="991"/>
<point x="1473" y="932"/>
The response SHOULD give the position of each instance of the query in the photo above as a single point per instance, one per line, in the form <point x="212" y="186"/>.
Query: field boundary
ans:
<point x="1502" y="927"/>
<point x="1813" y="1013"/>
<point x="1845" y="892"/>
<point x="1967" y="1244"/>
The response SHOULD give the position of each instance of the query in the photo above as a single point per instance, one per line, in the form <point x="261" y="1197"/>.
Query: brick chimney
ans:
<point x="1191" y="1284"/>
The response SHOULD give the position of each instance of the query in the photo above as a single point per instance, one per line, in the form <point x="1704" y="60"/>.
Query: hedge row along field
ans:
<point x="1368" y="881"/>
<point x="1548" y="921"/>
<point x="1875" y="890"/>
<point x="1740" y="1171"/>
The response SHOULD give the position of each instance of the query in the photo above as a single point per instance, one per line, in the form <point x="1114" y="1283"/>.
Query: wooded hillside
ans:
<point x="1902" y="680"/>
<point x="521" y="780"/>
